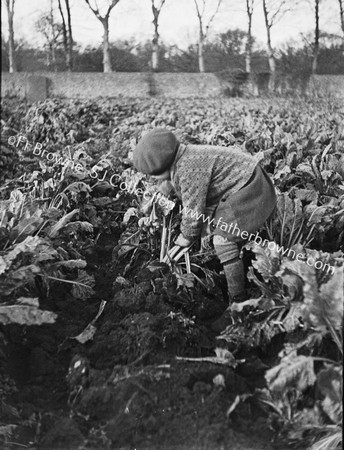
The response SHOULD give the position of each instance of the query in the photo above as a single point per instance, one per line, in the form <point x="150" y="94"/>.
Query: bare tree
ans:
<point x="201" y="6"/>
<point x="248" y="49"/>
<point x="51" y="31"/>
<point x="341" y="12"/>
<point x="316" y="38"/>
<point x="156" y="8"/>
<point x="274" y="11"/>
<point x="67" y="34"/>
<point x="104" y="20"/>
<point x="10" y="15"/>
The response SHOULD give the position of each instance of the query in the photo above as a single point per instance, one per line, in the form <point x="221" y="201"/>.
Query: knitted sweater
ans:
<point x="202" y="174"/>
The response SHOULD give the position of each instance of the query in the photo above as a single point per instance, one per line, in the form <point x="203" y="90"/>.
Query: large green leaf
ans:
<point x="294" y="371"/>
<point x="83" y="285"/>
<point x="330" y="384"/>
<point x="29" y="245"/>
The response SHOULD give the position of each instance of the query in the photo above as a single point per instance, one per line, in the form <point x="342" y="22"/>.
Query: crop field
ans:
<point x="106" y="342"/>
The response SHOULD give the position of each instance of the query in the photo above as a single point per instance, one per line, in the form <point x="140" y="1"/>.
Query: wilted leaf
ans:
<point x="129" y="213"/>
<point x="87" y="334"/>
<point x="219" y="380"/>
<point x="226" y="355"/>
<point x="73" y="264"/>
<point x="14" y="204"/>
<point x="122" y="281"/>
<point x="61" y="223"/>
<point x="25" y="315"/>
<point x="90" y="330"/>
<point x="237" y="400"/>
<point x="79" y="226"/>
<point x="238" y="307"/>
<point x="31" y="301"/>
<point x="223" y="356"/>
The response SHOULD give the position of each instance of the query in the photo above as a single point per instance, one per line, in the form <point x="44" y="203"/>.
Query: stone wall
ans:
<point x="90" y="85"/>
<point x="327" y="86"/>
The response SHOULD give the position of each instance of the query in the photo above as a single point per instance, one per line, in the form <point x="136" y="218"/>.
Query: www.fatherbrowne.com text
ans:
<point x="233" y="229"/>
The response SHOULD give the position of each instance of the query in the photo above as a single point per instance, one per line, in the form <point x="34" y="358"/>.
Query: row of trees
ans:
<point x="59" y="33"/>
<point x="222" y="52"/>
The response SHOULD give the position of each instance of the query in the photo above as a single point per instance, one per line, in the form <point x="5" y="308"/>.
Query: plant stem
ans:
<point x="68" y="281"/>
<point x="163" y="239"/>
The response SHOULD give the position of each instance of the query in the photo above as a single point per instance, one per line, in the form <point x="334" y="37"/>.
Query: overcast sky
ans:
<point x="178" y="21"/>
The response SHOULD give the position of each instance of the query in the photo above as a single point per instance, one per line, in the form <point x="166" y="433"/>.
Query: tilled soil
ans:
<point x="126" y="388"/>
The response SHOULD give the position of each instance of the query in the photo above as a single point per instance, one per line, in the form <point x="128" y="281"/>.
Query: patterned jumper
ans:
<point x="202" y="174"/>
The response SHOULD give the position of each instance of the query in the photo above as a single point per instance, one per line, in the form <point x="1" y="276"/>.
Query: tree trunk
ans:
<point x="106" y="46"/>
<point x="341" y="12"/>
<point x="248" y="49"/>
<point x="105" y="22"/>
<point x="49" y="56"/>
<point x="155" y="54"/>
<point x="200" y="54"/>
<point x="10" y="13"/>
<point x="155" y="41"/>
<point x="316" y="39"/>
<point x="248" y="55"/>
<point x="53" y="57"/>
<point x="64" y="32"/>
<point x="272" y="60"/>
<point x="69" y="58"/>
<point x="69" y="63"/>
<point x="53" y="38"/>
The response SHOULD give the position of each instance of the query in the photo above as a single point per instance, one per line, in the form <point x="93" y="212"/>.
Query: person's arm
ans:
<point x="194" y="190"/>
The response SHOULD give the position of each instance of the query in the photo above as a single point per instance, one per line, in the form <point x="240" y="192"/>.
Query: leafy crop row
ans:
<point x="50" y="215"/>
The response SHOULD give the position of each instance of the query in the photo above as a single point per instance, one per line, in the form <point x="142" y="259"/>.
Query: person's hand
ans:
<point x="166" y="187"/>
<point x="182" y="241"/>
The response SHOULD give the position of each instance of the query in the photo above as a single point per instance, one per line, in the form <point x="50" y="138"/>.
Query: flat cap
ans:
<point x="155" y="151"/>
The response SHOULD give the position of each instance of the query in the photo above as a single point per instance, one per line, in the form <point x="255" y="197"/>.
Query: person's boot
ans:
<point x="235" y="276"/>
